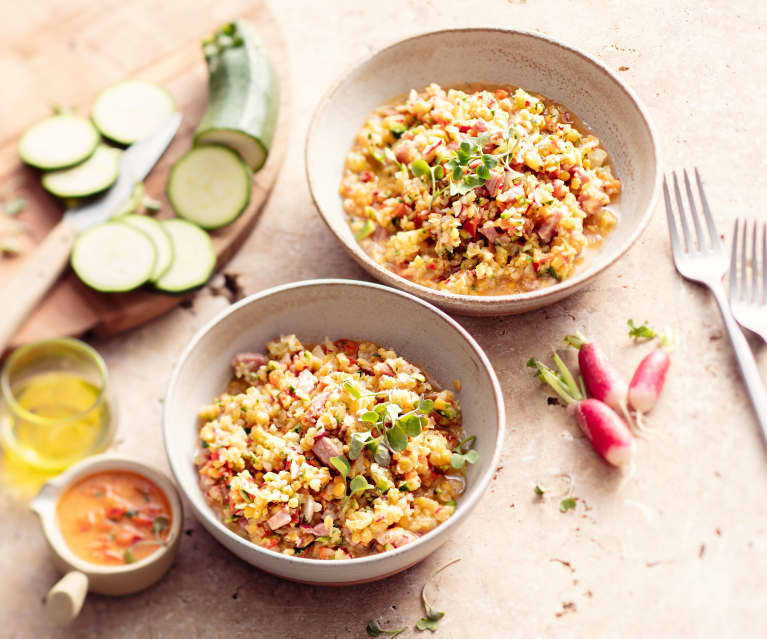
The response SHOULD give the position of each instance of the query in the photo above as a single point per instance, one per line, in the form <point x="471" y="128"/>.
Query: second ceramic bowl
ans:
<point x="337" y="309"/>
<point x="493" y="57"/>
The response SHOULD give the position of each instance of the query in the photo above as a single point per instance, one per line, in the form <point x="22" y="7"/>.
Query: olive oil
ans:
<point x="60" y="419"/>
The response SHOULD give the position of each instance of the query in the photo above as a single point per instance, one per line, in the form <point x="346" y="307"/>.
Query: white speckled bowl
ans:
<point x="490" y="56"/>
<point x="334" y="308"/>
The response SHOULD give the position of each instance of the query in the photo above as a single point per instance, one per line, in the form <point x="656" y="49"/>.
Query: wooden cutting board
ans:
<point x="65" y="52"/>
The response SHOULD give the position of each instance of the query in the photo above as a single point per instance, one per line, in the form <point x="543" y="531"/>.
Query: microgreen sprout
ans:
<point x="128" y="556"/>
<point x="567" y="504"/>
<point x="341" y="464"/>
<point x="421" y="169"/>
<point x="464" y="177"/>
<point x="374" y="630"/>
<point x="358" y="484"/>
<point x="463" y="453"/>
<point x="432" y="618"/>
<point x="540" y="490"/>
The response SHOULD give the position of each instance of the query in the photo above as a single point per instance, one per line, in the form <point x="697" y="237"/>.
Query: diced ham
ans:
<point x="320" y="530"/>
<point x="396" y="537"/>
<point x="592" y="200"/>
<point x="480" y="126"/>
<point x="547" y="229"/>
<point x="246" y="363"/>
<point x="306" y="381"/>
<point x="316" y="406"/>
<point x="493" y="183"/>
<point x="404" y="151"/>
<point x="559" y="189"/>
<point x="279" y="519"/>
<point x="488" y="230"/>
<point x="325" y="448"/>
<point x="382" y="368"/>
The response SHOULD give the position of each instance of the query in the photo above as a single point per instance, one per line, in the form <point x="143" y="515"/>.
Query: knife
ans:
<point x="41" y="269"/>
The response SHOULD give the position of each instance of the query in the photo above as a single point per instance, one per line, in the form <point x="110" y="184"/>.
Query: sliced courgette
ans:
<point x="128" y="111"/>
<point x="193" y="257"/>
<point x="159" y="236"/>
<point x="58" y="142"/>
<point x="114" y="257"/>
<point x="210" y="186"/>
<point x="244" y="98"/>
<point x="94" y="175"/>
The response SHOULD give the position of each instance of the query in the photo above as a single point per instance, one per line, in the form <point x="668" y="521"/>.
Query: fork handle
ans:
<point x="748" y="368"/>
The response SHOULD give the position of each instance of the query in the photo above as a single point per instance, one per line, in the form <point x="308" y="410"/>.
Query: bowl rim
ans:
<point x="456" y="300"/>
<point x="465" y="506"/>
<point x="46" y="501"/>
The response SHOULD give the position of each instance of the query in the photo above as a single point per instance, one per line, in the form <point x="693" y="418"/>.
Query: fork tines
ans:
<point x="740" y="290"/>
<point x="702" y="244"/>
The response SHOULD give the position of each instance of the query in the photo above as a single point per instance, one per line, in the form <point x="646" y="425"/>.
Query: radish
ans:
<point x="647" y="382"/>
<point x="603" y="381"/>
<point x="605" y="429"/>
<point x="650" y="376"/>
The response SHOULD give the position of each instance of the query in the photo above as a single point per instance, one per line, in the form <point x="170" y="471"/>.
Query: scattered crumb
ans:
<point x="497" y="471"/>
<point x="589" y="594"/>
<point x="702" y="551"/>
<point x="189" y="532"/>
<point x="715" y="336"/>
<point x="457" y="384"/>
<point x="236" y="594"/>
<point x="717" y="474"/>
<point x="718" y="532"/>
<point x="566" y="564"/>
<point x="553" y="401"/>
<point x="567" y="606"/>
<point x="623" y="68"/>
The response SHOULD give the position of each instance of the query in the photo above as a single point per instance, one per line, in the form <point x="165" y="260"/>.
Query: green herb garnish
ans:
<point x="160" y="524"/>
<point x="352" y="390"/>
<point x="539" y="490"/>
<point x="128" y="556"/>
<point x="464" y="453"/>
<point x="641" y="332"/>
<point x="374" y="630"/>
<point x="341" y="464"/>
<point x="15" y="206"/>
<point x="432" y="618"/>
<point x="567" y="504"/>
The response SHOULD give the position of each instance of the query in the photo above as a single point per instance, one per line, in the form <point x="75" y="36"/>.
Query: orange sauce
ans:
<point x="114" y="517"/>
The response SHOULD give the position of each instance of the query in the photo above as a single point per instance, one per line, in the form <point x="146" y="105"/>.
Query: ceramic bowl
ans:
<point x="65" y="599"/>
<point x="314" y="310"/>
<point x="454" y="57"/>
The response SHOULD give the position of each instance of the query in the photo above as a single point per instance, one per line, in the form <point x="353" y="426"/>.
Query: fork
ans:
<point x="749" y="307"/>
<point x="705" y="262"/>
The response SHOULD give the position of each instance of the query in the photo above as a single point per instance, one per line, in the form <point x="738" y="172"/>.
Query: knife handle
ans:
<point x="38" y="272"/>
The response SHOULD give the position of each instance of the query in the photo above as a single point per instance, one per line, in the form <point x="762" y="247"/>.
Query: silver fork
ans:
<point x="705" y="262"/>
<point x="749" y="306"/>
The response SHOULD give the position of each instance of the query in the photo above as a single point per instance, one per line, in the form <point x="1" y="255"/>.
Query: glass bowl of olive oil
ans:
<point x="57" y="406"/>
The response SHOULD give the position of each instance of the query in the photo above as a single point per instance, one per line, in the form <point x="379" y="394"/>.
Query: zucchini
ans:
<point x="94" y="175"/>
<point x="128" y="111"/>
<point x="114" y="257"/>
<point x="244" y="95"/>
<point x="210" y="186"/>
<point x="193" y="257"/>
<point x="58" y="142"/>
<point x="159" y="237"/>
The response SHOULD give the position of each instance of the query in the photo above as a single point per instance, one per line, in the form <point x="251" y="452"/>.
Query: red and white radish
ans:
<point x="605" y="428"/>
<point x="603" y="381"/>
<point x="648" y="380"/>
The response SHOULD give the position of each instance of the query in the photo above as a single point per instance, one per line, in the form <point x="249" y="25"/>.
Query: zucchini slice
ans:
<point x="159" y="237"/>
<point x="128" y="111"/>
<point x="210" y="186"/>
<point x="244" y="92"/>
<point x="114" y="257"/>
<point x="58" y="142"/>
<point x="94" y="175"/>
<point x="193" y="257"/>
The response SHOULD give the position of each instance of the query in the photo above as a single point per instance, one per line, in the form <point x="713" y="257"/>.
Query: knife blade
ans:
<point x="39" y="270"/>
<point x="135" y="164"/>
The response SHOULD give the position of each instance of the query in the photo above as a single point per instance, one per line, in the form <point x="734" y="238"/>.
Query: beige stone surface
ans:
<point x="679" y="551"/>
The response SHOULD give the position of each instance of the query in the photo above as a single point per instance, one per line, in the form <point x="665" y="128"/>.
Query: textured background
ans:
<point x="679" y="551"/>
